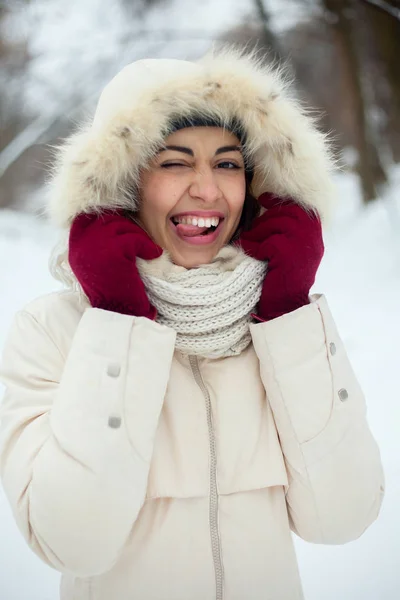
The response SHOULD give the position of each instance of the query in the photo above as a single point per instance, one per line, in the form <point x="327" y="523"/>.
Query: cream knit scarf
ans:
<point x="209" y="306"/>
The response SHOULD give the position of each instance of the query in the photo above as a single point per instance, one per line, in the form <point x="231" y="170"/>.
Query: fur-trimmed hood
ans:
<point x="99" y="165"/>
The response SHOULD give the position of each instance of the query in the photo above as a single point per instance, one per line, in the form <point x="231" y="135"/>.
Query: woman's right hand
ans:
<point x="102" y="255"/>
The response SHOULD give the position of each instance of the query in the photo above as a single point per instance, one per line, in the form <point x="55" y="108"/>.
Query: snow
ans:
<point x="286" y="15"/>
<point x="360" y="276"/>
<point x="91" y="44"/>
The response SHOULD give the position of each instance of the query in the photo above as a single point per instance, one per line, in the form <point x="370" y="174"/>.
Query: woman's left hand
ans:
<point x="290" y="239"/>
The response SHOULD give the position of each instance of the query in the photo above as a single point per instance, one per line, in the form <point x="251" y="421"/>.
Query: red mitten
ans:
<point x="102" y="254"/>
<point x="290" y="239"/>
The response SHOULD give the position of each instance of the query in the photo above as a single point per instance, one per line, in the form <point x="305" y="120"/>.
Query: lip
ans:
<point x="200" y="213"/>
<point x="199" y="240"/>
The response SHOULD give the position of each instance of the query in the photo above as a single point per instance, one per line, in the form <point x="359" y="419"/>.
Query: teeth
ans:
<point x="199" y="222"/>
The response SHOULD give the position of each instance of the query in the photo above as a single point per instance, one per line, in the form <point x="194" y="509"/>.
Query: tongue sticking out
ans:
<point x="190" y="230"/>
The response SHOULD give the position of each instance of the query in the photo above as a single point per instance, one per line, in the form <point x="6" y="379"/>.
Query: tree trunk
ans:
<point x="369" y="166"/>
<point x="386" y="36"/>
<point x="269" y="38"/>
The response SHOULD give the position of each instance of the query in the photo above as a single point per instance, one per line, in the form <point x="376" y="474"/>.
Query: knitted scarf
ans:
<point x="209" y="306"/>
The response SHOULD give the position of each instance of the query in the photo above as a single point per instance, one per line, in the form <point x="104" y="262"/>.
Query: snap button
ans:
<point x="343" y="395"/>
<point x="114" y="422"/>
<point x="332" y="348"/>
<point x="113" y="370"/>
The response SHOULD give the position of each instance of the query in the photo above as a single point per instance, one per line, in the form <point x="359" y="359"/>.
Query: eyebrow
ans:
<point x="190" y="152"/>
<point x="228" y="149"/>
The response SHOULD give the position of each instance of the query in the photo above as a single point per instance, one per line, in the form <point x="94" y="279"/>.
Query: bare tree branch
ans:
<point x="24" y="140"/>
<point x="263" y="14"/>
<point x="265" y="18"/>
<point x="385" y="7"/>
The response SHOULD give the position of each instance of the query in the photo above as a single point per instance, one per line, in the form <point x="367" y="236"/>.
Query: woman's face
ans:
<point x="192" y="194"/>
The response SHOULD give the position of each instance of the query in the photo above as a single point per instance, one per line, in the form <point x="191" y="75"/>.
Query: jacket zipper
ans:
<point x="213" y="506"/>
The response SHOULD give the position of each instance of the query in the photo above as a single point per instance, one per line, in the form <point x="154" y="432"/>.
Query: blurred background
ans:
<point x="56" y="56"/>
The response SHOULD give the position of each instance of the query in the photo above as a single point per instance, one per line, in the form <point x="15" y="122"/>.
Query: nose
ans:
<point x="204" y="186"/>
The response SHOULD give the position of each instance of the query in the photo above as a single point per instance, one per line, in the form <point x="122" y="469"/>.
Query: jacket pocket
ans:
<point x="76" y="588"/>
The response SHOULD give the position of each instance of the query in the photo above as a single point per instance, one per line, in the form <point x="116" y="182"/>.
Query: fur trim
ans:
<point x="99" y="166"/>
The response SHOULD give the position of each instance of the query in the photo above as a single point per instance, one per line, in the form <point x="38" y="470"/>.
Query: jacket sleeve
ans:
<point x="77" y="433"/>
<point x="336" y="480"/>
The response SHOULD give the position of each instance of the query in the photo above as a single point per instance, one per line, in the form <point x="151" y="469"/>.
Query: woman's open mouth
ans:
<point x="197" y="230"/>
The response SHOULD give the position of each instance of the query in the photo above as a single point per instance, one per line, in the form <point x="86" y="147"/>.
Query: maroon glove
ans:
<point x="290" y="239"/>
<point x="102" y="254"/>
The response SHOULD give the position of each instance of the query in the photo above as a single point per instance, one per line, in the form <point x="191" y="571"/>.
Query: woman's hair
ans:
<point x="251" y="210"/>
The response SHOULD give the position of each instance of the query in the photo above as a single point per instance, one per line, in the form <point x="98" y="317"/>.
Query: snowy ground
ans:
<point x="360" y="275"/>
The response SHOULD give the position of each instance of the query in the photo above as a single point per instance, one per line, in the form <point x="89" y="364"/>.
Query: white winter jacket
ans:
<point x="144" y="474"/>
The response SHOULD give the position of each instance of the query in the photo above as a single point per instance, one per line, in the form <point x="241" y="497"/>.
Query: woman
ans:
<point x="186" y="404"/>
